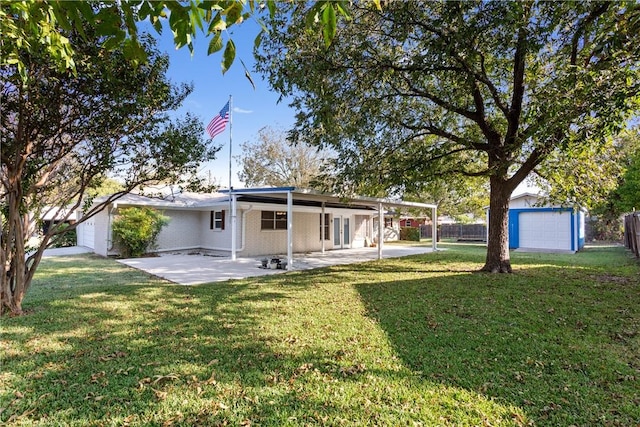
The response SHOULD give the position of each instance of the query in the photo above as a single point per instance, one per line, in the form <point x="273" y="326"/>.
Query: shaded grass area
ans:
<point x="419" y="340"/>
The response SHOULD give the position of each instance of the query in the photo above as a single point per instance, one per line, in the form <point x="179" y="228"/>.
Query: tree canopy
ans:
<point x="461" y="199"/>
<point x="628" y="191"/>
<point x="418" y="91"/>
<point x="272" y="160"/>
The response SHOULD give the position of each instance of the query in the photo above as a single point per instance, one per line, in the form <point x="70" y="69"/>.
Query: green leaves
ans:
<point x="136" y="230"/>
<point x="229" y="56"/>
<point x="215" y="44"/>
<point x="328" y="24"/>
<point x="326" y="13"/>
<point x="29" y="25"/>
<point x="428" y="89"/>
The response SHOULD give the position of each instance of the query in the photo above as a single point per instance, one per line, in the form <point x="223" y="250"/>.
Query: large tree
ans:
<point x="62" y="133"/>
<point x="491" y="89"/>
<point x="272" y="160"/>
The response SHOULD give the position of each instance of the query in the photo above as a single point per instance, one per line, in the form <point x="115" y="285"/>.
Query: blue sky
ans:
<point x="251" y="109"/>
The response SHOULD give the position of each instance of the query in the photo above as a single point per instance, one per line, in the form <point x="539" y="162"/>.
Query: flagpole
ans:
<point x="230" y="138"/>
<point x="232" y="197"/>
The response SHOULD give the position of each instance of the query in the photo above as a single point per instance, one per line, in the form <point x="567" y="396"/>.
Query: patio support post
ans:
<point x="380" y="229"/>
<point x="234" y="226"/>
<point x="434" y="228"/>
<point x="289" y="230"/>
<point x="322" y="226"/>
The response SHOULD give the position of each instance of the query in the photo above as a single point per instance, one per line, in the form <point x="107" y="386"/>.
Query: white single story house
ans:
<point x="544" y="227"/>
<point x="254" y="222"/>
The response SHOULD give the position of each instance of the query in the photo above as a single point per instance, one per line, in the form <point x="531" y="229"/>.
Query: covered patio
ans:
<point x="291" y="196"/>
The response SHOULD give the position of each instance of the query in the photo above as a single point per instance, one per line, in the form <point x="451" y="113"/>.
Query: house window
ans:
<point x="407" y="223"/>
<point x="216" y="221"/>
<point x="273" y="220"/>
<point x="326" y="226"/>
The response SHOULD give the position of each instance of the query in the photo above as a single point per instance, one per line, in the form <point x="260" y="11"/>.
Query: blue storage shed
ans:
<point x="544" y="228"/>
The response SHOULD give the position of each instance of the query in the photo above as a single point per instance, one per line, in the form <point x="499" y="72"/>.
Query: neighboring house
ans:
<point x="415" y="222"/>
<point x="546" y="227"/>
<point x="446" y="220"/>
<point x="253" y="222"/>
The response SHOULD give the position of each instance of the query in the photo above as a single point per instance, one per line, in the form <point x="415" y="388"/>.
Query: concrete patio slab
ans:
<point x="198" y="268"/>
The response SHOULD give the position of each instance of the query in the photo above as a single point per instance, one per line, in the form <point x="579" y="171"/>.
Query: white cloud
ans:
<point x="241" y="111"/>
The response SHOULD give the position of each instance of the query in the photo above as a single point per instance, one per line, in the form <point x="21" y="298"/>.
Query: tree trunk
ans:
<point x="16" y="276"/>
<point x="498" y="260"/>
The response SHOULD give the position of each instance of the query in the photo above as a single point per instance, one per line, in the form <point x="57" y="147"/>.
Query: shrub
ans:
<point x="410" y="233"/>
<point x="67" y="239"/>
<point x="605" y="228"/>
<point x="136" y="230"/>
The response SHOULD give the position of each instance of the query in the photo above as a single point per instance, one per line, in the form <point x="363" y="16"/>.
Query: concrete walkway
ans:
<point x="73" y="250"/>
<point x="195" y="269"/>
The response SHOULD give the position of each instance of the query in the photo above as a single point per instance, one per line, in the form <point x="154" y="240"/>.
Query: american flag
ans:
<point x="217" y="124"/>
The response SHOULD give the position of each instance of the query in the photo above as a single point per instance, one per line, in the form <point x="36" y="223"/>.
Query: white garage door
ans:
<point x="545" y="230"/>
<point x="86" y="234"/>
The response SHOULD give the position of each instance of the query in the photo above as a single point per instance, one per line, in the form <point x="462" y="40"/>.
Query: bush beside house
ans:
<point x="66" y="239"/>
<point x="136" y="230"/>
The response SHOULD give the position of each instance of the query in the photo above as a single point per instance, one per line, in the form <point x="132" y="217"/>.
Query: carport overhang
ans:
<point x="295" y="195"/>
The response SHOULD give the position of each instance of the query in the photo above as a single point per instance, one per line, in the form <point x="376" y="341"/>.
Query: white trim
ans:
<point x="381" y="226"/>
<point x="434" y="229"/>
<point x="234" y="226"/>
<point x="322" y="226"/>
<point x="289" y="230"/>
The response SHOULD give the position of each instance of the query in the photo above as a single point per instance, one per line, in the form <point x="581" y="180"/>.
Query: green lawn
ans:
<point x="422" y="340"/>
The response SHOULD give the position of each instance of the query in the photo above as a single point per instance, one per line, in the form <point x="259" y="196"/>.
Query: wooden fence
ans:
<point x="632" y="233"/>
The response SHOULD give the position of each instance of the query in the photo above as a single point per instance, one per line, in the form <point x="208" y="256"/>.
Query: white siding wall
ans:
<point x="361" y="230"/>
<point x="306" y="235"/>
<point x="102" y="232"/>
<point x="523" y="202"/>
<point x="306" y="232"/>
<point x="217" y="239"/>
<point x="260" y="242"/>
<point x="182" y="232"/>
<point x="191" y="229"/>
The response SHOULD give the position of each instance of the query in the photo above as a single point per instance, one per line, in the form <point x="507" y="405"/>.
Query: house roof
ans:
<point x="317" y="197"/>
<point x="174" y="201"/>
<point x="276" y="195"/>
<point x="522" y="195"/>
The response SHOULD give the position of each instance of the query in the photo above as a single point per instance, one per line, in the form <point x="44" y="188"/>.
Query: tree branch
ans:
<point x="599" y="10"/>
<point x="515" y="109"/>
